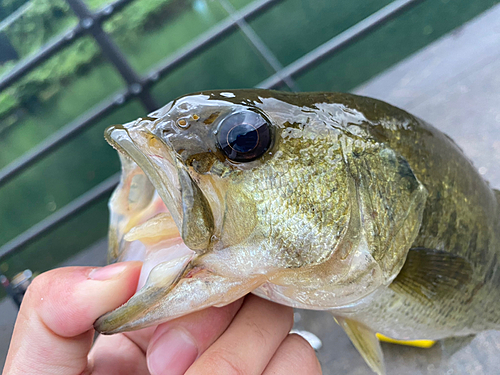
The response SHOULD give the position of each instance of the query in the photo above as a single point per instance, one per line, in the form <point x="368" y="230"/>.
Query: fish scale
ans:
<point x="328" y="201"/>
<point x="302" y="205"/>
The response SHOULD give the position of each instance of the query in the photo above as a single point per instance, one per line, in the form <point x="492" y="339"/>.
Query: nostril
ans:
<point x="182" y="123"/>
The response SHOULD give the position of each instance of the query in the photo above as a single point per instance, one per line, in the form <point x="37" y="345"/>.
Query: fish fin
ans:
<point x="366" y="342"/>
<point x="429" y="275"/>
<point x="416" y="343"/>
<point x="451" y="345"/>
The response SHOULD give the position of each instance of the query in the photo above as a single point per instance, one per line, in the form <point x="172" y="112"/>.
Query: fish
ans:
<point x="323" y="201"/>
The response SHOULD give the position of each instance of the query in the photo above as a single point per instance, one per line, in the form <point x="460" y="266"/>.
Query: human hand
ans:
<point x="53" y="333"/>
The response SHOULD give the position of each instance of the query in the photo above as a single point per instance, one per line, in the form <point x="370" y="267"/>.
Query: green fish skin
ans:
<point x="324" y="201"/>
<point x="449" y="285"/>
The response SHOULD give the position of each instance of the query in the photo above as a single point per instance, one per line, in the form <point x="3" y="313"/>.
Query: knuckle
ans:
<point x="284" y="315"/>
<point x="50" y="297"/>
<point x="281" y="314"/>
<point x="43" y="287"/>
<point x="227" y="313"/>
<point x="259" y="333"/>
<point x="300" y="343"/>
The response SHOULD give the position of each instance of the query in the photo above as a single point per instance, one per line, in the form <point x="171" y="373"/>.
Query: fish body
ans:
<point x="322" y="201"/>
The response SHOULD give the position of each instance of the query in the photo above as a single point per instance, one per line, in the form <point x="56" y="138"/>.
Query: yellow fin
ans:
<point x="416" y="343"/>
<point x="366" y="342"/>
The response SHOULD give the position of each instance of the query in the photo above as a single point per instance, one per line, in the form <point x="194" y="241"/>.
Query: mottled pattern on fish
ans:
<point x="315" y="200"/>
<point x="460" y="218"/>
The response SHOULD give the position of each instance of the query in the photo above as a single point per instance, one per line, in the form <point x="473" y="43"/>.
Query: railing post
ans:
<point x="89" y="21"/>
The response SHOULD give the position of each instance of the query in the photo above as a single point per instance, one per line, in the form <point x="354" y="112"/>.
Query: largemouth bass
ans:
<point x="321" y="201"/>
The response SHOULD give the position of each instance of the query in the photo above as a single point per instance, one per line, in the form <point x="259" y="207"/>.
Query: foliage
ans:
<point x="141" y="16"/>
<point x="36" y="26"/>
<point x="40" y="22"/>
<point x="46" y="18"/>
<point x="7" y="100"/>
<point x="7" y="7"/>
<point x="55" y="72"/>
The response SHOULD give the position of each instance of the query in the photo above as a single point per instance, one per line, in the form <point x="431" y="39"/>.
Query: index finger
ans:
<point x="54" y="329"/>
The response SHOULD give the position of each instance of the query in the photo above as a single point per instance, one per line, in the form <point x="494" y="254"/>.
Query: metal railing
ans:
<point x="139" y="87"/>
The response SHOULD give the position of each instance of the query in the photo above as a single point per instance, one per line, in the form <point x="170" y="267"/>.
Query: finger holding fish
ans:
<point x="248" y="336"/>
<point x="60" y="306"/>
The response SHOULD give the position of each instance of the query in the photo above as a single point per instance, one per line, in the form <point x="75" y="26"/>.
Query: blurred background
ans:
<point x="70" y="68"/>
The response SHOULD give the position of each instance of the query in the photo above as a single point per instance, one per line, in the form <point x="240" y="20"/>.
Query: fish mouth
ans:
<point x="170" y="231"/>
<point x="167" y="215"/>
<point x="154" y="158"/>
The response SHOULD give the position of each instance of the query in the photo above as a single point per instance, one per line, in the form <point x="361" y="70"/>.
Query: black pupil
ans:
<point x="243" y="138"/>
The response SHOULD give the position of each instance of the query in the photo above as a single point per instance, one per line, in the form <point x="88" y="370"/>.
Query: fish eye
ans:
<point x="244" y="136"/>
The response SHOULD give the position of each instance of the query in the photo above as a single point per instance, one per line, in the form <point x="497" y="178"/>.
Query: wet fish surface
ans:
<point x="322" y="201"/>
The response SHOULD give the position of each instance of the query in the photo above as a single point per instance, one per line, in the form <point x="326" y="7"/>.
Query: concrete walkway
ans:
<point x="453" y="84"/>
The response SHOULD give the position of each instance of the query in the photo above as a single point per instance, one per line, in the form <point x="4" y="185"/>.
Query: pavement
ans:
<point x="454" y="84"/>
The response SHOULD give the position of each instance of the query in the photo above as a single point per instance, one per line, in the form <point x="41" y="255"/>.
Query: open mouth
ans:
<point x="146" y="208"/>
<point x="165" y="215"/>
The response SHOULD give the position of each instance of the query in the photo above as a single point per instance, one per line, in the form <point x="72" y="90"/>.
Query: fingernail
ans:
<point x="108" y="272"/>
<point x="172" y="353"/>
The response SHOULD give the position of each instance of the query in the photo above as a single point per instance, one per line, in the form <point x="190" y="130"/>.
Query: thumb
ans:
<point x="53" y="332"/>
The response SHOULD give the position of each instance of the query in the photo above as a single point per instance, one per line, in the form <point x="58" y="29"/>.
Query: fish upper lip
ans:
<point x="132" y="141"/>
<point x="168" y="189"/>
<point x="171" y="179"/>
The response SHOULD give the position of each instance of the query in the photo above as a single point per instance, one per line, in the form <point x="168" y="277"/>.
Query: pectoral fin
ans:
<point x="431" y="275"/>
<point x="366" y="342"/>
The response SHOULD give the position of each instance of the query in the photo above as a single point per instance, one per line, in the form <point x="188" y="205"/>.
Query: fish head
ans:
<point x="227" y="192"/>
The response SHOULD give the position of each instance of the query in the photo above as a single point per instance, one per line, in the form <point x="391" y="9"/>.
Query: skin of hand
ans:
<point x="54" y="335"/>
